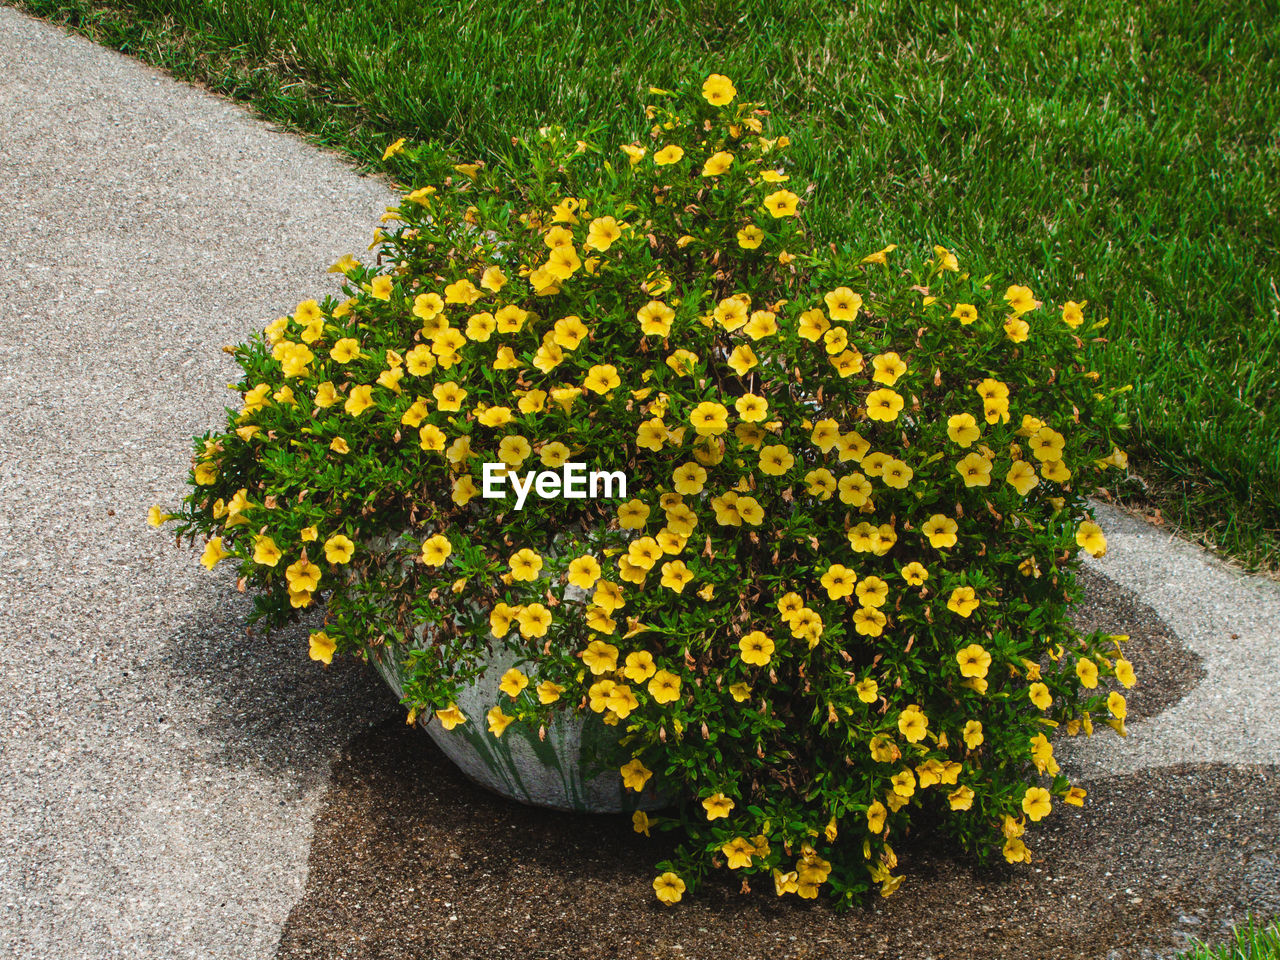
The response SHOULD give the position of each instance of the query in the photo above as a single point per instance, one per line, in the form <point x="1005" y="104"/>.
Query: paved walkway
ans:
<point x="159" y="777"/>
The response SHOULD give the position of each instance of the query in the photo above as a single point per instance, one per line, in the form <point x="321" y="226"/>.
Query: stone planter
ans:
<point x="574" y="769"/>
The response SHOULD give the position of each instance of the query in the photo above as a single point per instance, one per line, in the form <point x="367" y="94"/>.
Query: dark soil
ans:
<point x="411" y="860"/>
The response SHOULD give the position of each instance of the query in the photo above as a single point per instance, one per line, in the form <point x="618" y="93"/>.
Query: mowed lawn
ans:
<point x="1125" y="154"/>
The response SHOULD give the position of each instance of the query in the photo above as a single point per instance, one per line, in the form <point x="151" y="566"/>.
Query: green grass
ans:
<point x="1124" y="154"/>
<point x="1250" y="942"/>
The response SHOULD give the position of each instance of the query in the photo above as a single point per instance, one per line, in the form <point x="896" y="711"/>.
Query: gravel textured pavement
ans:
<point x="160" y="775"/>
<point x="1228" y="618"/>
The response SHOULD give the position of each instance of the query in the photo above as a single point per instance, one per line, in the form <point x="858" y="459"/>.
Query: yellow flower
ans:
<point x="302" y="575"/>
<point x="500" y="618"/>
<point x="738" y="852"/>
<point x="635" y="775"/>
<point x="321" y="647"/>
<point x="601" y="378"/>
<point x="393" y="149"/>
<point x="880" y="256"/>
<point x="781" y="203"/>
<point x="763" y="323"/>
<point x="941" y="531"/>
<point x="839" y="581"/>
<point x="1117" y="705"/>
<point x="668" y="155"/>
<point x="1022" y="477"/>
<point x="872" y="592"/>
<point x="461" y="291"/>
<point x="876" y="815"/>
<point x="381" y="288"/>
<point x="913" y="724"/>
<point x="664" y="687"/>
<point x="513" y="682"/>
<point x="1046" y="444"/>
<point x="602" y="233"/>
<point x="436" y="549"/>
<point x="265" y="551"/>
<point x="884" y="405"/>
<point x="974" y="662"/>
<point x="963" y="600"/>
<point x="1036" y="803"/>
<point x="961" y="798"/>
<point x="584" y="572"/>
<point x="740" y="692"/>
<point x="973" y="736"/>
<point x="718" y="90"/>
<point x="1087" y="671"/>
<point x="945" y="259"/>
<point x="675" y="575"/>
<point x="359" y="400"/>
<point x="962" y="429"/>
<point x="309" y="534"/>
<point x="450" y="716"/>
<point x="1124" y="673"/>
<point x="717" y="805"/>
<point x="914" y="573"/>
<point x="854" y="489"/>
<point x="888" y="368"/>
<point x="427" y="306"/>
<point x="709" y="419"/>
<point x="975" y="470"/>
<point x="634" y="152"/>
<point x="904" y="783"/>
<point x="756" y="648"/>
<point x="869" y="621"/>
<point x="493" y="416"/>
<point x="775" y="460"/>
<point x="1073" y="313"/>
<point x="1017" y="329"/>
<point x="750" y="237"/>
<point x="498" y="721"/>
<point x="1056" y="471"/>
<point x="669" y="888"/>
<point x="493" y="279"/>
<point x="549" y="692"/>
<point x="431" y="438"/>
<point x="1089" y="537"/>
<point x="600" y="657"/>
<point x="344" y="264"/>
<point x="742" y="359"/>
<point x="1015" y="851"/>
<point x="339" y="548"/>
<point x="717" y="164"/>
<point x="867" y="690"/>
<point x="966" y="313"/>
<point x="1040" y="695"/>
<point x="1020" y="299"/>
<point x="534" y="619"/>
<point x="525" y="564"/>
<point x="689" y="478"/>
<point x="326" y="395"/>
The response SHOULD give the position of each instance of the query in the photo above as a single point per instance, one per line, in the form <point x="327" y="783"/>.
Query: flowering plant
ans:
<point x="834" y="601"/>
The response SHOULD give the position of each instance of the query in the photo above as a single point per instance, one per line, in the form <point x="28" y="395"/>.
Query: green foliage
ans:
<point x="1126" y="152"/>
<point x="834" y="599"/>
<point x="1252" y="941"/>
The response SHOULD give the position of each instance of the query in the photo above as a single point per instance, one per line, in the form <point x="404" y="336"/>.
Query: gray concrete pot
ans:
<point x="575" y="768"/>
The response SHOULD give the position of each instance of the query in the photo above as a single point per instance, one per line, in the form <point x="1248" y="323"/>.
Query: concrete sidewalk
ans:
<point x="159" y="776"/>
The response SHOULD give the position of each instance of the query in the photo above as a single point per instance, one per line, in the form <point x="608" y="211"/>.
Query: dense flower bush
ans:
<point x="834" y="600"/>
